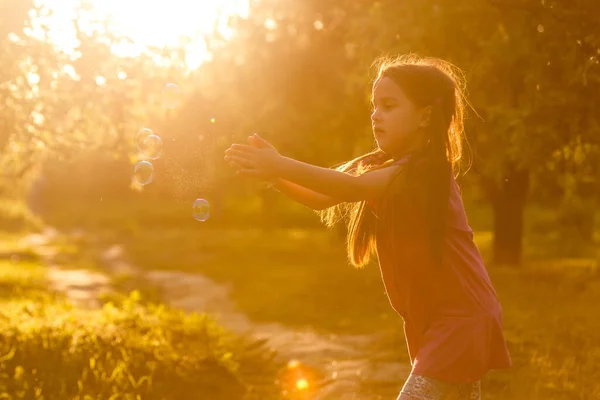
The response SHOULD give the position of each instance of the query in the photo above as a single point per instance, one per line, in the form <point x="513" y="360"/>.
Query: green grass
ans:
<point x="23" y="279"/>
<point x="15" y="217"/>
<point x="128" y="350"/>
<point x="301" y="278"/>
<point x="287" y="276"/>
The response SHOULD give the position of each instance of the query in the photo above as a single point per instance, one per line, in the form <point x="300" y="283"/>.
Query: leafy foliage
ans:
<point x="127" y="351"/>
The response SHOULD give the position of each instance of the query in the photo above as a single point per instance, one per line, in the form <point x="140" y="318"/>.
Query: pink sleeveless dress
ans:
<point x="452" y="315"/>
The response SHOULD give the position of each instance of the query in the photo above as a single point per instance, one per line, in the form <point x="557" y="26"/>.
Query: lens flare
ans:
<point x="301" y="384"/>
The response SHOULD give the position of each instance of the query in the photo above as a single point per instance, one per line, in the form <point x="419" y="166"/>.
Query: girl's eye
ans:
<point x="387" y="105"/>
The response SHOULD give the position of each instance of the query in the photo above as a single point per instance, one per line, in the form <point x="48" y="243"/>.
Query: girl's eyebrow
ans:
<point x="383" y="98"/>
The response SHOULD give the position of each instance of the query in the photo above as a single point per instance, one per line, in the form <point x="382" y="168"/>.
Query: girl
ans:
<point x="402" y="202"/>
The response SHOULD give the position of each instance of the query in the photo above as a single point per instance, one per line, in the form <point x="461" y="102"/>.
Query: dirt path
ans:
<point x="347" y="362"/>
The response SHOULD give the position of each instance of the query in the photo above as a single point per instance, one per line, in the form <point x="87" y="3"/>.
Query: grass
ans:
<point x="286" y="276"/>
<point x="22" y="279"/>
<point x="300" y="278"/>
<point x="52" y="349"/>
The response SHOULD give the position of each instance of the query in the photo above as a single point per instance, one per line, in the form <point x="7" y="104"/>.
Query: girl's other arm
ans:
<point x="304" y="196"/>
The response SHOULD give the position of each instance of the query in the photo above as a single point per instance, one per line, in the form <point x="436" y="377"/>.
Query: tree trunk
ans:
<point x="508" y="203"/>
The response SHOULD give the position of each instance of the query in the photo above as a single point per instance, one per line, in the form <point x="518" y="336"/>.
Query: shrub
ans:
<point x="16" y="217"/>
<point x="51" y="350"/>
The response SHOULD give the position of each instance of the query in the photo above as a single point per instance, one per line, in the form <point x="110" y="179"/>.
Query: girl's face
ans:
<point x="396" y="120"/>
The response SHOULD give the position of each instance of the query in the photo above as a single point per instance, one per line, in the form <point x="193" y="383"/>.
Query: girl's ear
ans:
<point x="425" y="116"/>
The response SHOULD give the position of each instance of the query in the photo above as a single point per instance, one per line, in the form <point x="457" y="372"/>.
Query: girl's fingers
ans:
<point x="236" y="165"/>
<point x="243" y="148"/>
<point x="254" y="142"/>
<point x="260" y="141"/>
<point x="239" y="161"/>
<point x="238" y="153"/>
<point x="250" y="173"/>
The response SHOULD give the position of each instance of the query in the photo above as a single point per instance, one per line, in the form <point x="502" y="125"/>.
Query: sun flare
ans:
<point x="157" y="23"/>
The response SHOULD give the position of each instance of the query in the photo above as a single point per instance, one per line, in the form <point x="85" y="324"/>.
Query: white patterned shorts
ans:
<point x="423" y="388"/>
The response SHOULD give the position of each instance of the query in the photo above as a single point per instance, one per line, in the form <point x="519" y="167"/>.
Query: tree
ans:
<point x="528" y="64"/>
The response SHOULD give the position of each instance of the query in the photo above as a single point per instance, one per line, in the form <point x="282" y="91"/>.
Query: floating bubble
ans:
<point x="171" y="95"/>
<point x="201" y="210"/>
<point x="540" y="28"/>
<point x="143" y="172"/>
<point x="140" y="136"/>
<point x="212" y="120"/>
<point x="152" y="147"/>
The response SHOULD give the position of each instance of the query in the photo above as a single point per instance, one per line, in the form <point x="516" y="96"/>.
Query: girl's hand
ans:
<point x="258" y="160"/>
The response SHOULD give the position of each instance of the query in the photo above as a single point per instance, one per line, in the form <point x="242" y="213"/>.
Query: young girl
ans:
<point x="402" y="202"/>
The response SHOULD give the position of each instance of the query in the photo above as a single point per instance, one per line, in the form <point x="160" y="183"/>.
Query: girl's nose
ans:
<point x="375" y="116"/>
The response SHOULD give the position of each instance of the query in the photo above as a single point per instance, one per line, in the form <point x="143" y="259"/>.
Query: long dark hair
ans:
<point x="427" y="175"/>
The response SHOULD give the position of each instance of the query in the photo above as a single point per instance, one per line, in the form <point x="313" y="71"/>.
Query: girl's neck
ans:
<point x="415" y="146"/>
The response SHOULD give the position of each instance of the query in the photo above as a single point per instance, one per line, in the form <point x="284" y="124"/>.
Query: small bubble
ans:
<point x="540" y="28"/>
<point x="171" y="96"/>
<point x="152" y="147"/>
<point x="142" y="135"/>
<point x="143" y="172"/>
<point x="293" y="364"/>
<point x="201" y="210"/>
<point x="212" y="120"/>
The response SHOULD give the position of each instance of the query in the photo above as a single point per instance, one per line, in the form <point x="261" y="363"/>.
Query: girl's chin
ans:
<point x="382" y="145"/>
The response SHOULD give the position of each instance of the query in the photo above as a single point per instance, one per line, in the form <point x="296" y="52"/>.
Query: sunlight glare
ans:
<point x="302" y="384"/>
<point x="159" y="23"/>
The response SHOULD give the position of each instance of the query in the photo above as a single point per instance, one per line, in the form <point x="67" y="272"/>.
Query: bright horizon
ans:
<point x="160" y="23"/>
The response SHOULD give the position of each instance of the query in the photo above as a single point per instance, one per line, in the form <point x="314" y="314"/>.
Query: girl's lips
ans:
<point x="378" y="132"/>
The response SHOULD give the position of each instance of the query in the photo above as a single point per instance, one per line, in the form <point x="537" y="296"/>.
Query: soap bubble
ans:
<point x="142" y="135"/>
<point x="201" y="210"/>
<point x="152" y="147"/>
<point x="143" y="172"/>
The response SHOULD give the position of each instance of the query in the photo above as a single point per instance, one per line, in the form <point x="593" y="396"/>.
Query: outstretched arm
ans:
<point x="304" y="196"/>
<point x="299" y="194"/>
<point x="336" y="184"/>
